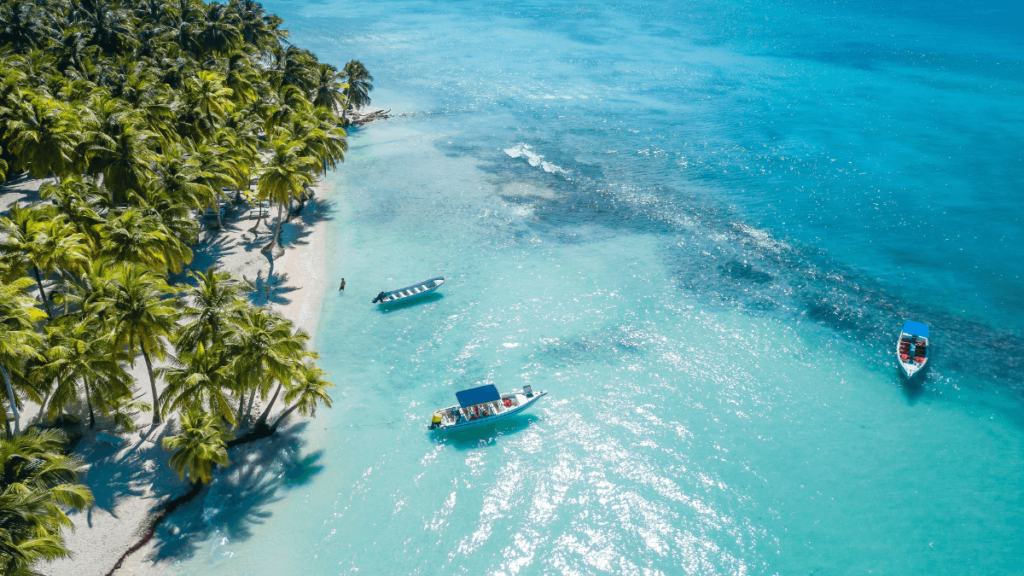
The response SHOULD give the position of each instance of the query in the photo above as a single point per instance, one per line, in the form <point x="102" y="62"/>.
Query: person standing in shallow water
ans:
<point x="342" y="287"/>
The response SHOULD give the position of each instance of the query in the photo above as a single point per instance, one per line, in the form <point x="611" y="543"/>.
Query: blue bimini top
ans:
<point x="916" y="328"/>
<point x="478" y="395"/>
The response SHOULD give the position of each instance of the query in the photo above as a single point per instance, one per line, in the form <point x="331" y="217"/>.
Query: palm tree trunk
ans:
<point x="152" y="385"/>
<point x="88" y="401"/>
<point x="42" y="293"/>
<point x="252" y="398"/>
<point x="259" y="218"/>
<point x="46" y="401"/>
<point x="14" y="404"/>
<point x="273" y="428"/>
<point x="216" y="209"/>
<point x="7" y="423"/>
<point x="277" y="231"/>
<point x="266" y="411"/>
<point x="241" y="404"/>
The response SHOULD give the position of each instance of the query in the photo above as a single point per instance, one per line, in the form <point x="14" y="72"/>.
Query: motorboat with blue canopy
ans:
<point x="409" y="292"/>
<point x="912" y="348"/>
<point x="482" y="405"/>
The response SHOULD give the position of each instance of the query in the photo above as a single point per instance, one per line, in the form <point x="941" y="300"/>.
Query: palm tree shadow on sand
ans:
<point x="484" y="434"/>
<point x="238" y="496"/>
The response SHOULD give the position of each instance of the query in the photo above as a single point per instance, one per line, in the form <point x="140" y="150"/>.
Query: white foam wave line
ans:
<point x="524" y="151"/>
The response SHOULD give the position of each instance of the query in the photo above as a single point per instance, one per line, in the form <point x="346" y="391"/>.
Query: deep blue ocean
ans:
<point x="699" y="225"/>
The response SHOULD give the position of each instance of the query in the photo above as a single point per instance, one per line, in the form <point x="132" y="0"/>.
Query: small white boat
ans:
<point x="483" y="405"/>
<point x="409" y="292"/>
<point x="912" y="348"/>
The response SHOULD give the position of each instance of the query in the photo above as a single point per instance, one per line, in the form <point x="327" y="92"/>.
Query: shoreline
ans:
<point x="132" y="482"/>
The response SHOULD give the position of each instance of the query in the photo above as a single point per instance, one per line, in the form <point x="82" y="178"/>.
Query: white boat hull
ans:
<point x="409" y="292"/>
<point x="910" y="369"/>
<point x="908" y="359"/>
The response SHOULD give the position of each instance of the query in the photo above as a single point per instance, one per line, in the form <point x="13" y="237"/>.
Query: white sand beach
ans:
<point x="133" y="480"/>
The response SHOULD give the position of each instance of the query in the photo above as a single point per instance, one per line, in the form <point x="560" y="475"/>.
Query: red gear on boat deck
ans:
<point x="507" y="402"/>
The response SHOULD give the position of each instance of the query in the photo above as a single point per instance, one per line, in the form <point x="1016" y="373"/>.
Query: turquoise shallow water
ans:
<point x="699" y="226"/>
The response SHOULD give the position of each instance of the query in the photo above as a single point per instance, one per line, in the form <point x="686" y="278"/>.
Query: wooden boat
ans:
<point x="409" y="292"/>
<point x="912" y="348"/>
<point x="483" y="405"/>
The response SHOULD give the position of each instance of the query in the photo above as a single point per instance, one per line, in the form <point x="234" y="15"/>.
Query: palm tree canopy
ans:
<point x="213" y="303"/>
<point x="136" y="304"/>
<point x="44" y="134"/>
<point x="359" y="84"/>
<point x="202" y="443"/>
<point x="330" y="88"/>
<point x="37" y="483"/>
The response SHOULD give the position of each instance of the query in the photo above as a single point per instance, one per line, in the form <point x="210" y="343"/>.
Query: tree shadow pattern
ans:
<point x="259" y="474"/>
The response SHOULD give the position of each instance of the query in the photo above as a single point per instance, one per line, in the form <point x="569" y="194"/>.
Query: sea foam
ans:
<point x="525" y="151"/>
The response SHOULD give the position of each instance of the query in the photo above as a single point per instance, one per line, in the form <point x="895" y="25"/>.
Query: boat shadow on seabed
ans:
<point x="913" y="388"/>
<point x="483" y="434"/>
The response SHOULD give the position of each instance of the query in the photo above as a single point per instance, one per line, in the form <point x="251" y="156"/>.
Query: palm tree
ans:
<point x="219" y="29"/>
<point x="36" y="237"/>
<point x="74" y="199"/>
<point x="206" y="91"/>
<point x="294" y="67"/>
<point x="284" y="177"/>
<point x="21" y="26"/>
<point x="359" y="81"/>
<point x="262" y="350"/>
<point x="201" y="444"/>
<point x="72" y="47"/>
<point x="241" y="78"/>
<point x="198" y="378"/>
<point x="110" y="28"/>
<point x="330" y="88"/>
<point x="37" y="483"/>
<point x="134" y="237"/>
<point x="152" y="11"/>
<point x="321" y="138"/>
<point x="257" y="27"/>
<point x="142" y="318"/>
<point x="295" y="345"/>
<point x="180" y="176"/>
<point x="308" y="389"/>
<point x="213" y="303"/>
<point x="44" y="134"/>
<point x="214" y="174"/>
<point x="81" y="356"/>
<point x="18" y="340"/>
<point x="124" y="158"/>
